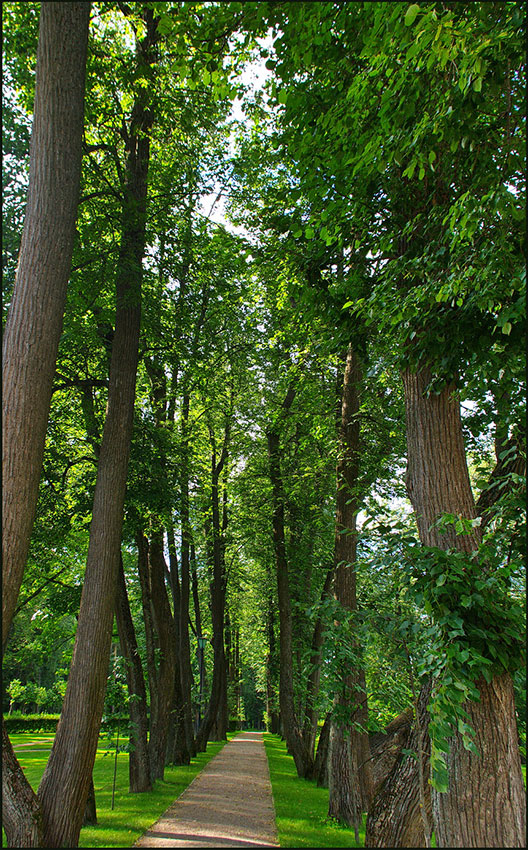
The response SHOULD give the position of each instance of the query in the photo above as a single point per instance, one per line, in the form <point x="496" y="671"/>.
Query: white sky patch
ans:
<point x="254" y="77"/>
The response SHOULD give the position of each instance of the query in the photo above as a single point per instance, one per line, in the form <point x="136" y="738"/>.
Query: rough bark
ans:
<point x="437" y="477"/>
<point x="350" y="769"/>
<point x="65" y="783"/>
<point x="139" y="761"/>
<point x="486" y="802"/>
<point x="394" y="818"/>
<point x="21" y="811"/>
<point x="34" y="322"/>
<point x="386" y="746"/>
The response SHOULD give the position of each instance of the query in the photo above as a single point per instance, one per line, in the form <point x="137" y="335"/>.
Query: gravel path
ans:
<point x="229" y="804"/>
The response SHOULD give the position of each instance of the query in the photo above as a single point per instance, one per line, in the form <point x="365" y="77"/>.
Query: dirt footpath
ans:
<point x="229" y="804"/>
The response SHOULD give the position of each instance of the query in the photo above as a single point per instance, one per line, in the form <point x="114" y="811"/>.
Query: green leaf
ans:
<point x="506" y="328"/>
<point x="309" y="233"/>
<point x="283" y="96"/>
<point x="410" y="15"/>
<point x="165" y="25"/>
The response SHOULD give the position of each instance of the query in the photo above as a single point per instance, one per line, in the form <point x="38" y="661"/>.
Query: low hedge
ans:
<point x="48" y="723"/>
<point x="31" y="722"/>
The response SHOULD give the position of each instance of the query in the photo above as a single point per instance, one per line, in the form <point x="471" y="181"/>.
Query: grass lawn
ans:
<point x="300" y="806"/>
<point x="133" y="813"/>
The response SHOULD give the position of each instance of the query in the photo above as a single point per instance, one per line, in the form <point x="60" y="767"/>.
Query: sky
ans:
<point x="254" y="76"/>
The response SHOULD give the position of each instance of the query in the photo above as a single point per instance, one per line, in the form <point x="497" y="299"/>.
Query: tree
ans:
<point x="35" y="316"/>
<point x="432" y="235"/>
<point x="350" y="772"/>
<point x="65" y="783"/>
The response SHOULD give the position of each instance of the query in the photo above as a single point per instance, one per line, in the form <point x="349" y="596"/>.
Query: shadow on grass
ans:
<point x="301" y="808"/>
<point x="133" y="814"/>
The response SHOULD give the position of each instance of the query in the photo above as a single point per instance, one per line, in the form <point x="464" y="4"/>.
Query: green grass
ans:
<point x="301" y="807"/>
<point x="133" y="813"/>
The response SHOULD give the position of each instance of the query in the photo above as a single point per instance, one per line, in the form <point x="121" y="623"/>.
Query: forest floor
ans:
<point x="229" y="804"/>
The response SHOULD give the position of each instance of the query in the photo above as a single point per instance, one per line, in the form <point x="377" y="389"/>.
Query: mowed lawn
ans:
<point x="133" y="813"/>
<point x="301" y="807"/>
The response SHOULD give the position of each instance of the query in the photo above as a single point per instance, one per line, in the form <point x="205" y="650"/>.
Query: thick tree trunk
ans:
<point x="65" y="783"/>
<point x="21" y="811"/>
<point x="386" y="746"/>
<point x="485" y="806"/>
<point x="350" y="769"/>
<point x="395" y="818"/>
<point x="296" y="745"/>
<point x="34" y="322"/>
<point x="139" y="761"/>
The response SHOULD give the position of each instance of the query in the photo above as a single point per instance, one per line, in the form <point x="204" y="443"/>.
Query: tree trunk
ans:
<point x="350" y="769"/>
<point x="34" y="322"/>
<point x="64" y="786"/>
<point x="311" y="714"/>
<point x="90" y="811"/>
<point x="139" y="761"/>
<point x="177" y="749"/>
<point x="296" y="745"/>
<point x="184" y="644"/>
<point x="395" y="818"/>
<point x="386" y="746"/>
<point x="160" y="713"/>
<point x="199" y="631"/>
<point x="271" y="659"/>
<point x="21" y="811"/>
<point x="485" y="803"/>
<point x="218" y="696"/>
<point x="320" y="771"/>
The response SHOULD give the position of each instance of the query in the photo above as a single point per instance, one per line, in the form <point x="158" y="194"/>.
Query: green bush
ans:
<point x="17" y="722"/>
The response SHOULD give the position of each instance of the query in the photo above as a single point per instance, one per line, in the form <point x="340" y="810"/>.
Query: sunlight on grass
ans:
<point x="133" y="813"/>
<point x="301" y="807"/>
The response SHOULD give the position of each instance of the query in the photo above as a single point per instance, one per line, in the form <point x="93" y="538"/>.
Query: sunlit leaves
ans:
<point x="411" y="14"/>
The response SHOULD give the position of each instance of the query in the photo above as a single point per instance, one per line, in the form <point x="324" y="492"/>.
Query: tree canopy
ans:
<point x="345" y="540"/>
